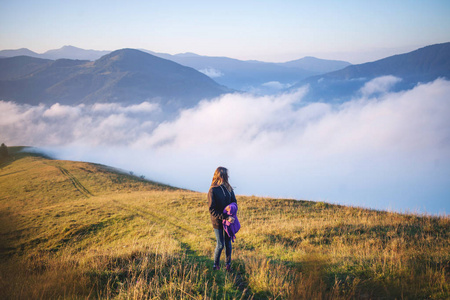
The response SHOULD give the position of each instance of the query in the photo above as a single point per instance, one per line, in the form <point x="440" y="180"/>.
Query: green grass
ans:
<point x="73" y="230"/>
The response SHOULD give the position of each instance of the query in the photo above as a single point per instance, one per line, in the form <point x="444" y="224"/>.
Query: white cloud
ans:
<point x="276" y="85"/>
<point x="63" y="111"/>
<point x="144" y="107"/>
<point x="99" y="124"/>
<point x="267" y="88"/>
<point x="392" y="150"/>
<point x="211" y="72"/>
<point x="379" y="85"/>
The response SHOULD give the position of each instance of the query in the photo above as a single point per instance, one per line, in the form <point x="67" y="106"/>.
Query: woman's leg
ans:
<point x="227" y="248"/>
<point x="219" y="246"/>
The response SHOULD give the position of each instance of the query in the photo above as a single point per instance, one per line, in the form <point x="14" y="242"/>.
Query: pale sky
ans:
<point x="277" y="31"/>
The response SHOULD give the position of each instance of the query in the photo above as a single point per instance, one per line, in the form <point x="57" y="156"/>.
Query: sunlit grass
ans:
<point x="77" y="230"/>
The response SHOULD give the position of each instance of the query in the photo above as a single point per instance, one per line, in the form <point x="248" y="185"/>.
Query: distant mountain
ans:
<point x="250" y="75"/>
<point x="317" y="65"/>
<point x="187" y="54"/>
<point x="425" y="64"/>
<point x="71" y="52"/>
<point x="83" y="81"/>
<point x="18" y="52"/>
<point x="67" y="52"/>
<point x="233" y="73"/>
<point x="126" y="75"/>
<point x="242" y="75"/>
<point x="420" y="66"/>
<point x="19" y="66"/>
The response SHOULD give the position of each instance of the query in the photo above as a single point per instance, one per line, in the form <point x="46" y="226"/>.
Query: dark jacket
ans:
<point x="218" y="198"/>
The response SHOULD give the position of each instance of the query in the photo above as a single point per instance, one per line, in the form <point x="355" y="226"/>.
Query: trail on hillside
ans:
<point x="76" y="183"/>
<point x="178" y="230"/>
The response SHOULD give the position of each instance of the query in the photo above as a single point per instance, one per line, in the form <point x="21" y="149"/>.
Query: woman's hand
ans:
<point x="231" y="220"/>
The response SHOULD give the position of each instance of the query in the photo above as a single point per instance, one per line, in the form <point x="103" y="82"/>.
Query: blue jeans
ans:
<point x="222" y="240"/>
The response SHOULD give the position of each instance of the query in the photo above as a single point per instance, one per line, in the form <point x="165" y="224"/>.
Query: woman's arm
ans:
<point x="213" y="207"/>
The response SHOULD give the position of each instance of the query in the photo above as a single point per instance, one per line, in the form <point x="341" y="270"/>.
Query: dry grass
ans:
<point x="78" y="230"/>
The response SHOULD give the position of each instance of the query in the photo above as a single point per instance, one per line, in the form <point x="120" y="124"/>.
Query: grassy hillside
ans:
<point x="72" y="230"/>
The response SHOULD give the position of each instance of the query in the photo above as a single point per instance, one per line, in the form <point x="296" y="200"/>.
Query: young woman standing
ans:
<point x="219" y="196"/>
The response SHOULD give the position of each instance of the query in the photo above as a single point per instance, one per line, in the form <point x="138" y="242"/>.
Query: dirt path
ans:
<point x="77" y="184"/>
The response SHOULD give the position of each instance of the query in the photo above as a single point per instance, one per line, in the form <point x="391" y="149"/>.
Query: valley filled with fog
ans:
<point x="381" y="149"/>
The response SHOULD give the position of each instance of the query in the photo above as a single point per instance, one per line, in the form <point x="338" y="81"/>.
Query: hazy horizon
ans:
<point x="354" y="57"/>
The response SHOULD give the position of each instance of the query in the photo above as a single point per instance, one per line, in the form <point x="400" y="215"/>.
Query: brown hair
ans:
<point x="221" y="177"/>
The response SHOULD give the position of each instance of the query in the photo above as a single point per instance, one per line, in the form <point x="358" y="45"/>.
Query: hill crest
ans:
<point x="73" y="229"/>
<point x="127" y="76"/>
<point x="419" y="66"/>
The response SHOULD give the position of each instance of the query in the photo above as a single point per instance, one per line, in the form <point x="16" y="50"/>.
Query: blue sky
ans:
<point x="356" y="31"/>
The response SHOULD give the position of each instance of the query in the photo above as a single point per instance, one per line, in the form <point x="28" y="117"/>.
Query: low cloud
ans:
<point x="391" y="150"/>
<point x="211" y="72"/>
<point x="144" y="107"/>
<point x="276" y="85"/>
<point x="268" y="88"/>
<point x="379" y="85"/>
<point x="90" y="125"/>
<point x="63" y="111"/>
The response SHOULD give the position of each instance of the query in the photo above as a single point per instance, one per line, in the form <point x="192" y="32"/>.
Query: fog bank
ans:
<point x="382" y="150"/>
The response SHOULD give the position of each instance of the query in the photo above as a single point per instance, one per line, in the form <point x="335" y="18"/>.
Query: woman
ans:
<point x="219" y="196"/>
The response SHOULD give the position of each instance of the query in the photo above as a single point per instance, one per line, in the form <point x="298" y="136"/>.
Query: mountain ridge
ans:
<point x="419" y="66"/>
<point x="71" y="52"/>
<point x="315" y="64"/>
<point x="422" y="65"/>
<point x="432" y="59"/>
<point x="99" y="53"/>
<point x="125" y="75"/>
<point x="249" y="75"/>
<point x="233" y="73"/>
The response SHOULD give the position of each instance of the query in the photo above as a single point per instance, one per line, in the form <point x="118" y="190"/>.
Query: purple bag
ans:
<point x="231" y="228"/>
